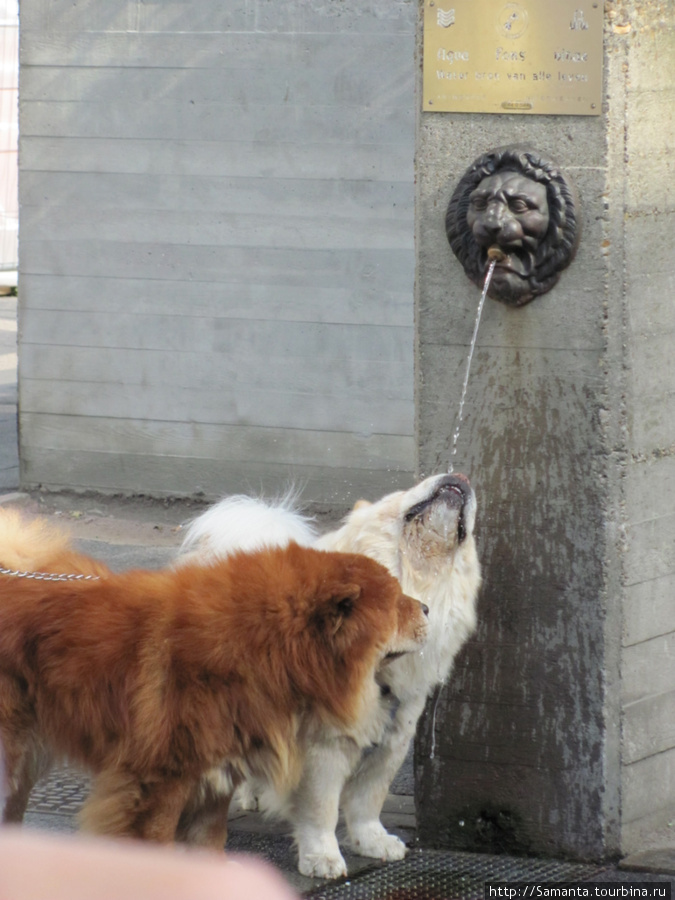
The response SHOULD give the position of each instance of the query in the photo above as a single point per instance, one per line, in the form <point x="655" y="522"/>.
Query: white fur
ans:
<point x="246" y="523"/>
<point x="431" y="566"/>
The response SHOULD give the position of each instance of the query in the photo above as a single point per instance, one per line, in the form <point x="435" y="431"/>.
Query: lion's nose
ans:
<point x="494" y="217"/>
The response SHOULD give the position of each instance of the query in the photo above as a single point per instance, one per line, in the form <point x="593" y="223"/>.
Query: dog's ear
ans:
<point x="361" y="504"/>
<point x="341" y="605"/>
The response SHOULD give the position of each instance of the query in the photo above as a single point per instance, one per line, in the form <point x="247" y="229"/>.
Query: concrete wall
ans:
<point x="216" y="261"/>
<point x="555" y="734"/>
<point x="645" y="70"/>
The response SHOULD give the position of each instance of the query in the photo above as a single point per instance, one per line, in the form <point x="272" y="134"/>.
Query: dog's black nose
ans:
<point x="425" y="609"/>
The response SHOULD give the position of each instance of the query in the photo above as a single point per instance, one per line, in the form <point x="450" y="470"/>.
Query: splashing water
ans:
<point x="494" y="256"/>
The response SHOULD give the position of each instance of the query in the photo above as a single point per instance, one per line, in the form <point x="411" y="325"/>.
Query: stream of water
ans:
<point x="460" y="413"/>
<point x="455" y="438"/>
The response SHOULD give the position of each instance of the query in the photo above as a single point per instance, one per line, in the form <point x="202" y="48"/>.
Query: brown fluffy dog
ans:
<point x="151" y="679"/>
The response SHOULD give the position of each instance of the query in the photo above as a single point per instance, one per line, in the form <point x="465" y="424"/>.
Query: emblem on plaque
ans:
<point x="512" y="21"/>
<point x="578" y="22"/>
<point x="445" y="17"/>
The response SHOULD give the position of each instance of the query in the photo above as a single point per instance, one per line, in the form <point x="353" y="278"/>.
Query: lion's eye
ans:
<point x="518" y="206"/>
<point x="478" y="202"/>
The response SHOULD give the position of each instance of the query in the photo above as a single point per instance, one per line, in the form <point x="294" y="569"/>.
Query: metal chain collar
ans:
<point x="47" y="576"/>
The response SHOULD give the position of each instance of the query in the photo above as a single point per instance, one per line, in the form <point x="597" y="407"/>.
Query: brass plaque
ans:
<point x="536" y="57"/>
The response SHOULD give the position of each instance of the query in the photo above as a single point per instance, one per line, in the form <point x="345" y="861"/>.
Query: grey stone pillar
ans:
<point x="555" y="732"/>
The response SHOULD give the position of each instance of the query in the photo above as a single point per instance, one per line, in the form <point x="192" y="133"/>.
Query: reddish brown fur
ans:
<point x="152" y="678"/>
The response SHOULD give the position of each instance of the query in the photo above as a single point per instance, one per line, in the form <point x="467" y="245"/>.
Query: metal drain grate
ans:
<point x="434" y="875"/>
<point x="63" y="791"/>
<point x="422" y="875"/>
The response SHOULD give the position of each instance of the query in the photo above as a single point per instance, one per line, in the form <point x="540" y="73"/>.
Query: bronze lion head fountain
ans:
<point x="514" y="206"/>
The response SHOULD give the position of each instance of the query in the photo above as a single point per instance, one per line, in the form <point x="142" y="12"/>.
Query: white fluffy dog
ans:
<point x="424" y="536"/>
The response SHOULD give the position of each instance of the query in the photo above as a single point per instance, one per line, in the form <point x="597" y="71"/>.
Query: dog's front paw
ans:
<point x="372" y="839"/>
<point x="323" y="866"/>
<point x="245" y="797"/>
<point x="320" y="857"/>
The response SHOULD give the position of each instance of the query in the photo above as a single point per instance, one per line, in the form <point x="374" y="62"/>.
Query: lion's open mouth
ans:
<point x="515" y="259"/>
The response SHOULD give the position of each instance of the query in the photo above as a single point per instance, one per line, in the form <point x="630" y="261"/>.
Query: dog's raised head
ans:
<point x="439" y="519"/>
<point x="420" y="533"/>
<point x="423" y="536"/>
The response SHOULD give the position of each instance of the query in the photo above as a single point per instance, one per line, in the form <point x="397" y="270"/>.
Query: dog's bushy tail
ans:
<point x="37" y="545"/>
<point x="29" y="544"/>
<point x="241" y="523"/>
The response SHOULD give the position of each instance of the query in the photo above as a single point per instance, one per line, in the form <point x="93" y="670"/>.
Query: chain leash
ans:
<point x="47" y="576"/>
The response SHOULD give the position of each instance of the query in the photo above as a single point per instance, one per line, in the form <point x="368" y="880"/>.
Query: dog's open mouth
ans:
<point x="454" y="492"/>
